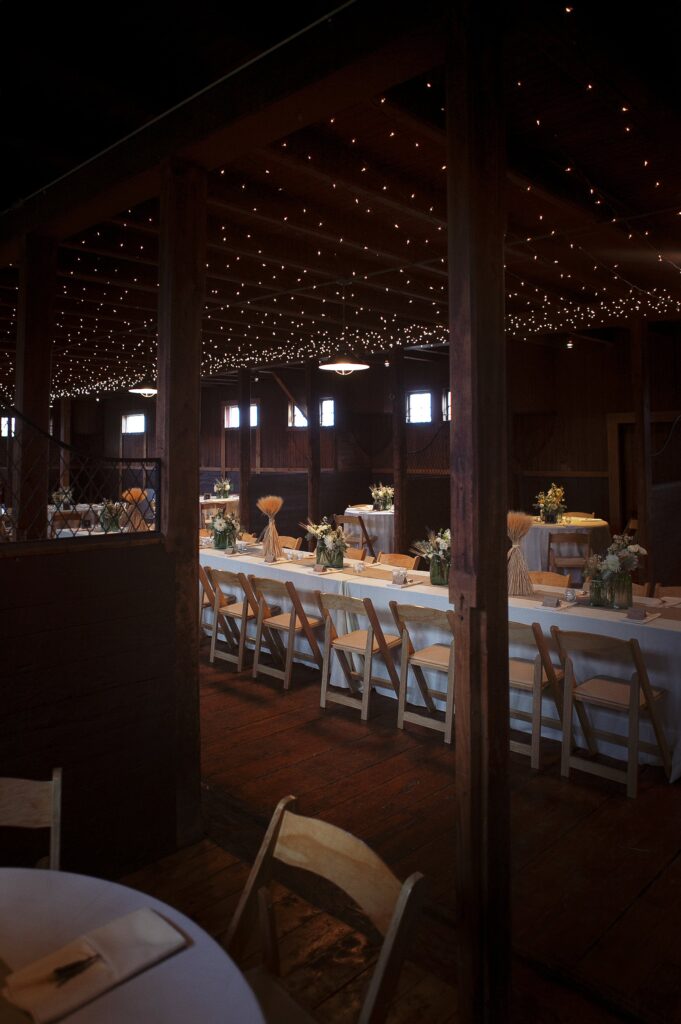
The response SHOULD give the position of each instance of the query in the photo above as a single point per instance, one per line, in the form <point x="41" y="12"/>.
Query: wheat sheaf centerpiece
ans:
<point x="519" y="583"/>
<point x="269" y="506"/>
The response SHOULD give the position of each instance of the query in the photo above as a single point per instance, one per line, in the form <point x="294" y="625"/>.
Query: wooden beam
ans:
<point x="65" y="438"/>
<point x="37" y="281"/>
<point x="244" y="384"/>
<point x="300" y="402"/>
<point x="399" y="450"/>
<point x="313" y="441"/>
<point x="180" y="305"/>
<point x="475" y="188"/>
<point x="640" y="377"/>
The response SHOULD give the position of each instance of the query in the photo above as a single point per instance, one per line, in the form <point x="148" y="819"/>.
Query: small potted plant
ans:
<point x="437" y="549"/>
<point x="609" y="575"/>
<point x="383" y="497"/>
<point x="222" y="488"/>
<point x="110" y="516"/>
<point x="331" y="543"/>
<point x="551" y="504"/>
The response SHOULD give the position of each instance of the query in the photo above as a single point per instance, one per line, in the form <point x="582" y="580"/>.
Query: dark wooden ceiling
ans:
<point x="335" y="236"/>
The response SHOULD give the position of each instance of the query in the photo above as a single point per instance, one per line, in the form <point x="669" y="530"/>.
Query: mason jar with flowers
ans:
<point x="551" y="504"/>
<point x="383" y="497"/>
<point x="222" y="488"/>
<point x="62" y="498"/>
<point x="331" y="543"/>
<point x="609" y="575"/>
<point x="225" y="529"/>
<point x="110" y="516"/>
<point x="437" y="549"/>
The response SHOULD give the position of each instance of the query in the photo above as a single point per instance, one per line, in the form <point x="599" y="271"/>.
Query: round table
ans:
<point x="380" y="526"/>
<point x="535" y="544"/>
<point x="40" y="911"/>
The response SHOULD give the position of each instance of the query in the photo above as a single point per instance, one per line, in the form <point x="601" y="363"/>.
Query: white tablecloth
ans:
<point x="209" y="506"/>
<point x="660" y="639"/>
<point x="380" y="526"/>
<point x="535" y="544"/>
<point x="40" y="911"/>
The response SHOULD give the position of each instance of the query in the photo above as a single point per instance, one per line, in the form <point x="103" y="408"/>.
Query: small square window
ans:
<point x="295" y="417"/>
<point x="8" y="426"/>
<point x="327" y="412"/>
<point x="446" y="404"/>
<point x="419" y="407"/>
<point x="232" y="416"/>
<point x="134" y="423"/>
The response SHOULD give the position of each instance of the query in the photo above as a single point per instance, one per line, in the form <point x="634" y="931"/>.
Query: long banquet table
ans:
<point x="660" y="637"/>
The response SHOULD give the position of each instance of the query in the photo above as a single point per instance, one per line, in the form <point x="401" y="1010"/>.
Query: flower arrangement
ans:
<point x="225" y="529"/>
<point x="110" y="515"/>
<point x="551" y="504"/>
<point x="62" y="497"/>
<point x="609" y="575"/>
<point x="331" y="542"/>
<point x="437" y="549"/>
<point x="222" y="487"/>
<point x="383" y="496"/>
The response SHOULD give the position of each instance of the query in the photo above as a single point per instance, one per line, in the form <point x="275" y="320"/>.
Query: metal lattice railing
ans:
<point x="48" y="490"/>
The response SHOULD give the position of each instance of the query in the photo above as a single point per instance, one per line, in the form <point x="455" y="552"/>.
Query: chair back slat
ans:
<point x="591" y="644"/>
<point x="295" y="543"/>
<point x="340" y="603"/>
<point x="580" y="539"/>
<point x="667" y="591"/>
<point x="406" y="613"/>
<point x="522" y="634"/>
<point x="398" y="560"/>
<point x="264" y="586"/>
<point x="343" y="859"/>
<point x="30" y="803"/>
<point x="549" y="579"/>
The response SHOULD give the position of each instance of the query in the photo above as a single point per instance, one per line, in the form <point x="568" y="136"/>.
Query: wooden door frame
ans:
<point x="615" y="421"/>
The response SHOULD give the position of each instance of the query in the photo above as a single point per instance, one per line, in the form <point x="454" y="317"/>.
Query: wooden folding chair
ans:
<point x="642" y="589"/>
<point x="398" y="560"/>
<point x="549" y="579"/>
<point x="357" y="554"/>
<point x="350" y="864"/>
<point x="356" y="523"/>
<point x="272" y="621"/>
<point x="231" y="614"/>
<point x="632" y="696"/>
<point x="666" y="591"/>
<point x="26" y="803"/>
<point x="438" y="657"/>
<point x="534" y="674"/>
<point x="365" y="643"/>
<point x="295" y="543"/>
<point x="573" y="563"/>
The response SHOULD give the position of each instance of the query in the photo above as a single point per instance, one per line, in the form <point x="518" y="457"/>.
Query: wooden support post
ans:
<point x="399" y="451"/>
<point x="65" y="438"/>
<point x="37" y="281"/>
<point x="182" y="262"/>
<point x="640" y="376"/>
<point x="479" y="464"/>
<point x="245" y="447"/>
<point x="313" y="441"/>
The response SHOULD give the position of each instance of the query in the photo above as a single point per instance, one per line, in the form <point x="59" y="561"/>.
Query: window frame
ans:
<point x="447" y="405"/>
<point x="125" y="416"/>
<point x="410" y="394"/>
<point x="226" y="406"/>
<point x="293" y="408"/>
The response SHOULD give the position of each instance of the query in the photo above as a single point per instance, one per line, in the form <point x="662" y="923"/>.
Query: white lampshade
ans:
<point x="343" y="365"/>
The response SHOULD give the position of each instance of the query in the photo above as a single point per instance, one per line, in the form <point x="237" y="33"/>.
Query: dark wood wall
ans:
<point x="86" y="678"/>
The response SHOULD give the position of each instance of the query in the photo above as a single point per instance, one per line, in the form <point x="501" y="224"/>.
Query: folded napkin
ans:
<point x="95" y="963"/>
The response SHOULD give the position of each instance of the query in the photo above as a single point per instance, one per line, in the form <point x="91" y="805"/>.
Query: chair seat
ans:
<point x="521" y="674"/>
<point x="283" y="621"/>
<point x="607" y="692"/>
<point x="236" y="609"/>
<point x="357" y="641"/>
<point x="277" y="1006"/>
<point x="435" y="656"/>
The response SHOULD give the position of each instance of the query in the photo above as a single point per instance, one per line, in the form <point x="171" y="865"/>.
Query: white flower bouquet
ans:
<point x="383" y="496"/>
<point x="437" y="549"/>
<point x="110" y="515"/>
<point x="222" y="487"/>
<point x="331" y="542"/>
<point x="621" y="556"/>
<point x="225" y="529"/>
<point x="62" y="497"/>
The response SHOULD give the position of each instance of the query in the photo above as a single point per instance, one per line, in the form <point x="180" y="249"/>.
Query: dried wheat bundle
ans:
<point x="519" y="583"/>
<point x="269" y="506"/>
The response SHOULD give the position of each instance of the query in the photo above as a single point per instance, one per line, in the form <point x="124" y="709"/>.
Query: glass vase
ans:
<point x="599" y="593"/>
<point x="439" y="571"/>
<point x="621" y="590"/>
<point x="220" y="540"/>
<point x="549" y="517"/>
<point x="331" y="559"/>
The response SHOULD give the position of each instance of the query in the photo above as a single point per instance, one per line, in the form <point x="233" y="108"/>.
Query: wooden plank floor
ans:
<point x="596" y="878"/>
